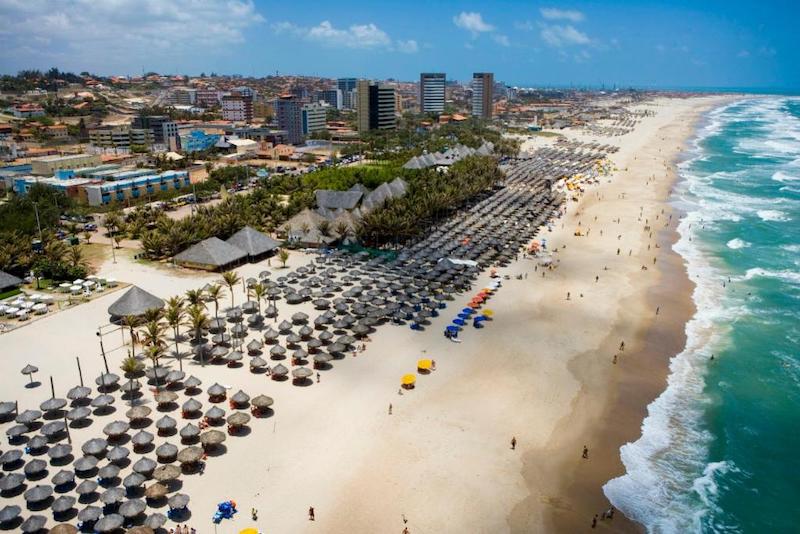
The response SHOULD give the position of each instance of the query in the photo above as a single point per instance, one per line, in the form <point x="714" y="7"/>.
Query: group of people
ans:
<point x="182" y="530"/>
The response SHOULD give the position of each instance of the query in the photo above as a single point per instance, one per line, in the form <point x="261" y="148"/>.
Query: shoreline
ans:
<point x="613" y="399"/>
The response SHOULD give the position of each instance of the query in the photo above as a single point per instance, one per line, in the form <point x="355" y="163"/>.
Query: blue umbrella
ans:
<point x="468" y="311"/>
<point x="452" y="328"/>
<point x="459" y="322"/>
<point x="463" y="316"/>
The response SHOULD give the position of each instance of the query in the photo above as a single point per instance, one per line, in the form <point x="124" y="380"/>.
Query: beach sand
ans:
<point x="541" y="371"/>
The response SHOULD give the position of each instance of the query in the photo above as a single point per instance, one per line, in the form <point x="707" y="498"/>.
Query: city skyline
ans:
<point x="674" y="44"/>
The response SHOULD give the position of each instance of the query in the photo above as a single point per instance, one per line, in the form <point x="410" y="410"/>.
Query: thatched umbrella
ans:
<point x="34" y="523"/>
<point x="36" y="443"/>
<point x="79" y="413"/>
<point x="190" y="431"/>
<point x="321" y="358"/>
<point x="279" y="371"/>
<point x="191" y="406"/>
<point x="38" y="493"/>
<point x="132" y="508"/>
<point x="90" y="514"/>
<point x="116" y="428"/>
<point x="28" y="417"/>
<point x="175" y="376"/>
<point x="63" y="528"/>
<point x="178" y="501"/>
<point x="293" y="339"/>
<point x="167" y="472"/>
<point x="7" y="408"/>
<point x="166" y="452"/>
<point x="155" y="521"/>
<point x="156" y="491"/>
<point x="234" y="356"/>
<point x="53" y="404"/>
<point x="102" y="401"/>
<point x="118" y="454"/>
<point x="63" y="477"/>
<point x="257" y="362"/>
<point x="137" y="413"/>
<point x="166" y="424"/>
<point x="107" y="379"/>
<point x="30" y="370"/>
<point x="17" y="430"/>
<point x="53" y="428"/>
<point x="9" y="513"/>
<point x="86" y="487"/>
<point x="10" y="456"/>
<point x="109" y="523"/>
<point x="108" y="472"/>
<point x="192" y="382"/>
<point x="134" y="480"/>
<point x="215" y="413"/>
<point x="302" y="372"/>
<point x="85" y="463"/>
<point x="112" y="495"/>
<point x="95" y="447"/>
<point x="261" y="401"/>
<point x="190" y="455"/>
<point x="62" y="504"/>
<point x="211" y="438"/>
<point x="57" y="452"/>
<point x="216" y="391"/>
<point x="240" y="398"/>
<point x="270" y="334"/>
<point x="165" y="397"/>
<point x="131" y="386"/>
<point x="277" y="351"/>
<point x="144" y="466"/>
<point x="238" y="419"/>
<point x="35" y="467"/>
<point x="142" y="439"/>
<point x="254" y="345"/>
<point x="12" y="482"/>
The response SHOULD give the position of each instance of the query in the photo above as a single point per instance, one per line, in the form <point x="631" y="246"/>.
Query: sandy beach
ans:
<point x="542" y="371"/>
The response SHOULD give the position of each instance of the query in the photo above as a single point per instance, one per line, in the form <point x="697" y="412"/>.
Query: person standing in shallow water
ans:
<point x="585" y="451"/>
<point x="513" y="443"/>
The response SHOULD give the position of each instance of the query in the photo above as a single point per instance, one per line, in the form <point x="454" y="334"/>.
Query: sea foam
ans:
<point x="737" y="243"/>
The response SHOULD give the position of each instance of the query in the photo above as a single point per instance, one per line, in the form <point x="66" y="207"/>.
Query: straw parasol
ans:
<point x="53" y="428"/>
<point x="155" y="521"/>
<point x="37" y="443"/>
<point x="34" y="523"/>
<point x="38" y="493"/>
<point x="29" y="370"/>
<point x="190" y="455"/>
<point x="109" y="523"/>
<point x="166" y="397"/>
<point x="144" y="466"/>
<point x="137" y="413"/>
<point x="63" y="477"/>
<point x="215" y="413"/>
<point x="63" y="528"/>
<point x="191" y="406"/>
<point x="132" y="508"/>
<point x="142" y="438"/>
<point x="192" y="382"/>
<point x="35" y="467"/>
<point x="116" y="428"/>
<point x="10" y="456"/>
<point x="12" y="482"/>
<point x="16" y="431"/>
<point x="178" y="501"/>
<point x="166" y="451"/>
<point x="62" y="504"/>
<point x="9" y="513"/>
<point x="238" y="419"/>
<point x="57" y="452"/>
<point x="108" y="472"/>
<point x="89" y="514"/>
<point x="156" y="491"/>
<point x="94" y="447"/>
<point x="112" y="496"/>
<point x="166" y="423"/>
<point x="212" y="438"/>
<point x="101" y="401"/>
<point x="118" y="454"/>
<point x="142" y="529"/>
<point x="28" y="416"/>
<point x="240" y="398"/>
<point x="134" y="480"/>
<point x="302" y="372"/>
<point x="167" y="472"/>
<point x="257" y="362"/>
<point x="51" y="405"/>
<point x="190" y="431"/>
<point x="216" y="391"/>
<point x="279" y="370"/>
<point x="79" y="413"/>
<point x="261" y="401"/>
<point x="85" y="463"/>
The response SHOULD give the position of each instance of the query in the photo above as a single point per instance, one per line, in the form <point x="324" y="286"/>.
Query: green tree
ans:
<point x="283" y="256"/>
<point x="231" y="279"/>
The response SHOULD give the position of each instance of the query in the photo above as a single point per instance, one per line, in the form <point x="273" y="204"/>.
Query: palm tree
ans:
<point x="154" y="352"/>
<point x="75" y="257"/>
<point x="198" y="321"/>
<point x="231" y="279"/>
<point x="87" y="235"/>
<point x="342" y="229"/>
<point x="129" y="366"/>
<point x="195" y="297"/>
<point x="324" y="228"/>
<point x="131" y="322"/>
<point x="215" y="293"/>
<point x="174" y="316"/>
<point x="283" y="256"/>
<point x="152" y="314"/>
<point x="259" y="290"/>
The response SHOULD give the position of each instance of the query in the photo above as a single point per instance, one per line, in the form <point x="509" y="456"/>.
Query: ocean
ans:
<point x="720" y="447"/>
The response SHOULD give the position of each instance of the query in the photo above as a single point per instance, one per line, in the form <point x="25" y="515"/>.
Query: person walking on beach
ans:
<point x="622" y="346"/>
<point x="594" y="521"/>
<point x="390" y="408"/>
<point x="311" y="513"/>
<point x="658" y="309"/>
<point x="513" y="443"/>
<point x="317" y="378"/>
<point x="586" y="452"/>
<point x="567" y="295"/>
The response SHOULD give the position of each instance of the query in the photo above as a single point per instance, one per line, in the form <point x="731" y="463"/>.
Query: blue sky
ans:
<point x="670" y="43"/>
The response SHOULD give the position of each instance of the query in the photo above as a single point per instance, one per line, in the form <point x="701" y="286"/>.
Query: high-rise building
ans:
<point x="376" y="106"/>
<point x="237" y="108"/>
<point x="207" y="97"/>
<point x="347" y="86"/>
<point x="288" y="113"/>
<point x="431" y="92"/>
<point x="313" y="118"/>
<point x="482" y="94"/>
<point x="332" y="97"/>
<point x="162" y="126"/>
<point x="182" y="96"/>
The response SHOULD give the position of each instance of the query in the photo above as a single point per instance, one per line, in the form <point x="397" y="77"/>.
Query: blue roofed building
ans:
<point x="198" y="140"/>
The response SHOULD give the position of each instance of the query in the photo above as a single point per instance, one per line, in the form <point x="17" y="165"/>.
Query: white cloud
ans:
<point x="559" y="36"/>
<point x="502" y="40"/>
<point x="553" y="13"/>
<point x="408" y="47"/>
<point x="363" y="36"/>
<point x="743" y="53"/>
<point x="472" y="22"/>
<point x="106" y="34"/>
<point x="525" y="25"/>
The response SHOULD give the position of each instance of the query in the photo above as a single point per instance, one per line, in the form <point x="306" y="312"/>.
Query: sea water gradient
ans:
<point x="720" y="447"/>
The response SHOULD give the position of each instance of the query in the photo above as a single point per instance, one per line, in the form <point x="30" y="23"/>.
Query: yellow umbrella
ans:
<point x="408" y="379"/>
<point x="487" y="312"/>
<point x="424" y="365"/>
<point x="250" y="530"/>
